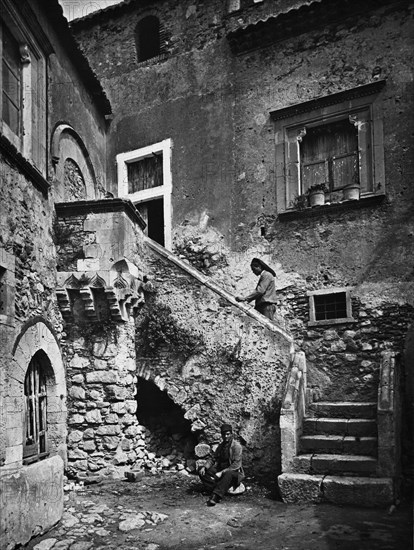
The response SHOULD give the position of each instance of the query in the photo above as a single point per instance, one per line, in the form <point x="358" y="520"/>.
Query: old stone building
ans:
<point x="129" y="221"/>
<point x="226" y="114"/>
<point x="52" y="148"/>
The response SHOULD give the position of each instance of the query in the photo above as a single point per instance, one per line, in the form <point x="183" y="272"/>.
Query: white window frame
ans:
<point x="31" y="79"/>
<point x="361" y="109"/>
<point x="337" y="290"/>
<point x="162" y="191"/>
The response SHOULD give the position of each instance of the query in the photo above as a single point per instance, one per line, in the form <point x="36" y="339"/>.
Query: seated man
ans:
<point x="225" y="469"/>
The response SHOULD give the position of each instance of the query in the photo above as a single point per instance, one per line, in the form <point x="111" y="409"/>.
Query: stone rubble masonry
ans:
<point x="102" y="402"/>
<point x="236" y="377"/>
<point x="344" y="360"/>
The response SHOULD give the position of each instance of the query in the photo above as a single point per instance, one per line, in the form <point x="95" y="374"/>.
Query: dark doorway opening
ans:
<point x="153" y="214"/>
<point x="168" y="434"/>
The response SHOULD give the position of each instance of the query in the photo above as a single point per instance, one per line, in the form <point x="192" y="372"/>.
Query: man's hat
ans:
<point x="226" y="428"/>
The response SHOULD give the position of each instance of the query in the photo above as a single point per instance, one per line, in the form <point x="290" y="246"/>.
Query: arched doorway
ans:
<point x="37" y="396"/>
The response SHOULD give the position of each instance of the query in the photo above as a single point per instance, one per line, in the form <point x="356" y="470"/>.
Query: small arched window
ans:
<point x="35" y="439"/>
<point x="148" y="37"/>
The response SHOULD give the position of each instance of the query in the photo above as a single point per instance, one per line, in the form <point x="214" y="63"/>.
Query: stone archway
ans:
<point x="67" y="145"/>
<point x="169" y="439"/>
<point x="36" y="338"/>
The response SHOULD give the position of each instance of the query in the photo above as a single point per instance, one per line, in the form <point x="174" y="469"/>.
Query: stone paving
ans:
<point x="169" y="512"/>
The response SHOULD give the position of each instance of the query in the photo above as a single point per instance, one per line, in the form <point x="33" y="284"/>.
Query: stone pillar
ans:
<point x="104" y="433"/>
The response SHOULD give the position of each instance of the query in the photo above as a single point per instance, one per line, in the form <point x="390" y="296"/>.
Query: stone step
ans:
<point x="344" y="409"/>
<point x="355" y="491"/>
<point x="338" y="444"/>
<point x="340" y="426"/>
<point x="335" y="464"/>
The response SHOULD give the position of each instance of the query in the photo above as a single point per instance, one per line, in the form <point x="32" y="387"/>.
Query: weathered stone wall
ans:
<point x="186" y="97"/>
<point x="207" y="357"/>
<point x="31" y="501"/>
<point x="215" y="106"/>
<point x="103" y="428"/>
<point x="234" y="373"/>
<point x="30" y="322"/>
<point x="343" y="360"/>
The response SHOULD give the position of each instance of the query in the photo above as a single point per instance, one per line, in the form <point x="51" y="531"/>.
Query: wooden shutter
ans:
<point x="292" y="165"/>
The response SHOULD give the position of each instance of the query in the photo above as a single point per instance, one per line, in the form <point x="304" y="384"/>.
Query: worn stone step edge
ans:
<point x="320" y="463"/>
<point x="343" y="409"/>
<point x="339" y="426"/>
<point x="329" y="444"/>
<point x="355" y="491"/>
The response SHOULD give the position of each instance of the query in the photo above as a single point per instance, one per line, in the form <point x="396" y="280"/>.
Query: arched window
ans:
<point x="35" y="437"/>
<point x="148" y="36"/>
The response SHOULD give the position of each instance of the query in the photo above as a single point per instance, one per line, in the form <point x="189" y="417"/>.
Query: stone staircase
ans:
<point x="331" y="451"/>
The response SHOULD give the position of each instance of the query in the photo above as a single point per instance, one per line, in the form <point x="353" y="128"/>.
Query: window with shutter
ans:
<point x="336" y="141"/>
<point x="23" y="89"/>
<point x="11" y="83"/>
<point x="150" y="38"/>
<point x="145" y="173"/>
<point x="329" y="155"/>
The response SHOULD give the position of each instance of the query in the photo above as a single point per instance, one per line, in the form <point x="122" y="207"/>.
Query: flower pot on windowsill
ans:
<point x="351" y="192"/>
<point x="317" y="194"/>
<point x="317" y="198"/>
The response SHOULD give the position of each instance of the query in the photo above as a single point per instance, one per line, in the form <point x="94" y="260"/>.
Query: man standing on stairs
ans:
<point x="225" y="470"/>
<point x="265" y="293"/>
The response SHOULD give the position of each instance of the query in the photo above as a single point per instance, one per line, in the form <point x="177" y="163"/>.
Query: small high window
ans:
<point x="148" y="38"/>
<point x="330" y="306"/>
<point x="35" y="445"/>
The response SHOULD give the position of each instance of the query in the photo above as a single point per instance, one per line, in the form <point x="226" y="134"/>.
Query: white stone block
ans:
<point x="89" y="264"/>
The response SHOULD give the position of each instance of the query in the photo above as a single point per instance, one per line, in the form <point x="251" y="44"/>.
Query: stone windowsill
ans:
<point x="153" y="60"/>
<point x="331" y="322"/>
<point x="332" y="208"/>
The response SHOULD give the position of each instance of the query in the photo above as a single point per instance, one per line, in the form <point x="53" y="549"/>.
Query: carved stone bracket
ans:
<point x="301" y="134"/>
<point x="118" y="291"/>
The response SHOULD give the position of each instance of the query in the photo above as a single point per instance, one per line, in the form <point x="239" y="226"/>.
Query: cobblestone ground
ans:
<point x="169" y="512"/>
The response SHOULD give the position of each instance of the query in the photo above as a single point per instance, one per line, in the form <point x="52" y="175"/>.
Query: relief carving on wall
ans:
<point x="117" y="293"/>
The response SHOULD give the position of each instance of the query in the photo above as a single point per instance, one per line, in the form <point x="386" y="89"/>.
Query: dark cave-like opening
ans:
<point x="167" y="433"/>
